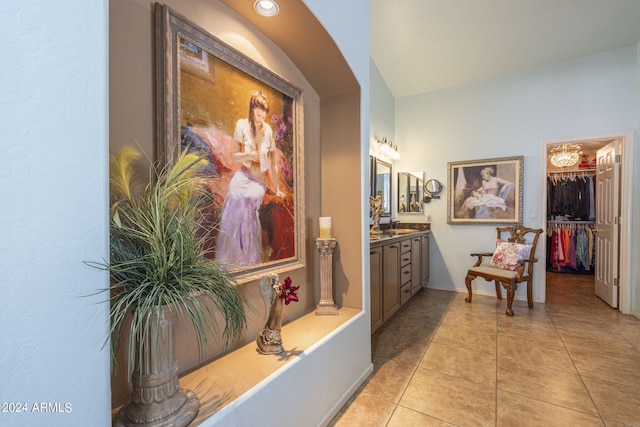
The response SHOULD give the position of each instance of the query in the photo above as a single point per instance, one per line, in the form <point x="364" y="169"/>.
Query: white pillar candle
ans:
<point x="325" y="227"/>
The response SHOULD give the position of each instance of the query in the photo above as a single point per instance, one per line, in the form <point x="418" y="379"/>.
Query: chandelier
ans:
<point x="565" y="155"/>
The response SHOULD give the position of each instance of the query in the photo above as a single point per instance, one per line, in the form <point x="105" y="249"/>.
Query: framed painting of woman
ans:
<point x="246" y="121"/>
<point x="485" y="191"/>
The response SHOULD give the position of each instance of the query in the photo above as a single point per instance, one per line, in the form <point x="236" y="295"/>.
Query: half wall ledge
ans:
<point x="227" y="383"/>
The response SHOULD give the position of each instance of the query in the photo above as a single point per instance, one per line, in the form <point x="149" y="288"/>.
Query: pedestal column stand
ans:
<point x="326" y="305"/>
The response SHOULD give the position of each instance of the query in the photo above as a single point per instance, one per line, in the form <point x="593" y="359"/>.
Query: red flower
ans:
<point x="288" y="292"/>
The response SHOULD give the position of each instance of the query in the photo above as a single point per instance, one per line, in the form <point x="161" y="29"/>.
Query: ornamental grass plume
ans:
<point x="158" y="255"/>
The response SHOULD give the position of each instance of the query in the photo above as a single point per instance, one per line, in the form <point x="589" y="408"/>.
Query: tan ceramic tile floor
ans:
<point x="439" y="361"/>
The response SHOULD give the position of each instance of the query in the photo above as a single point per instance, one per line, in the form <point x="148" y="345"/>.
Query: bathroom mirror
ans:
<point x="381" y="183"/>
<point x="409" y="192"/>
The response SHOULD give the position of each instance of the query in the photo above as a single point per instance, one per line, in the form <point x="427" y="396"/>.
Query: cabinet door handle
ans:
<point x="406" y="272"/>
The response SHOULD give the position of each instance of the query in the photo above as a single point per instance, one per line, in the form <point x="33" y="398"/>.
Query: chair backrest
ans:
<point x="520" y="234"/>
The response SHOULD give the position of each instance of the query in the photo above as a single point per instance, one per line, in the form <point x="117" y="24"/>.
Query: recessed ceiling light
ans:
<point x="266" y="7"/>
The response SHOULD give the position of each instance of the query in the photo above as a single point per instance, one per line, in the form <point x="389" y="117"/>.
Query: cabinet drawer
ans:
<point x="405" y="246"/>
<point x="405" y="258"/>
<point x="405" y="275"/>
<point x="405" y="293"/>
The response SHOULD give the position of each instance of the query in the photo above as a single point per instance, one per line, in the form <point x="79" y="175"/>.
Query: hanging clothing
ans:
<point x="571" y="197"/>
<point x="570" y="247"/>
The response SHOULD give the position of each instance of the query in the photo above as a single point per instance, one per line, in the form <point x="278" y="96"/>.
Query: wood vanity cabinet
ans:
<point x="416" y="264"/>
<point x="399" y="268"/>
<point x="375" y="259"/>
<point x="424" y="253"/>
<point x="390" y="280"/>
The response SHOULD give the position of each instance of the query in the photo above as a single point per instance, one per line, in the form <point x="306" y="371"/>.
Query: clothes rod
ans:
<point x="571" y="222"/>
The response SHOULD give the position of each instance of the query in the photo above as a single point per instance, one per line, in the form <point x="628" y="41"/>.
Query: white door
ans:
<point x="607" y="222"/>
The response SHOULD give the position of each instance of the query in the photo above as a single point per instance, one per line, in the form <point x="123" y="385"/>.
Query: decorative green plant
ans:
<point x="158" y="256"/>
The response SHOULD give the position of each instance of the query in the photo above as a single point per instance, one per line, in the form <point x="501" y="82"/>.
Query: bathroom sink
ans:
<point x="400" y="231"/>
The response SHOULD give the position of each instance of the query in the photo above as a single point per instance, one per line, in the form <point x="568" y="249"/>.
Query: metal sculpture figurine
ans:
<point x="269" y="340"/>
<point x="376" y="209"/>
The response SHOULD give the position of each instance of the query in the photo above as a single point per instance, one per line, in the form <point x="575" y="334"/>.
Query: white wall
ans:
<point x="347" y="22"/>
<point x="383" y="105"/>
<point x="53" y="216"/>
<point x="509" y="116"/>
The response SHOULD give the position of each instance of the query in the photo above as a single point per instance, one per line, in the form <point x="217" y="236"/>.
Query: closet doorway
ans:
<point x="587" y="206"/>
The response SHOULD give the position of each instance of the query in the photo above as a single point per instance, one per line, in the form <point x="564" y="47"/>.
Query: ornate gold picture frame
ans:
<point x="487" y="191"/>
<point x="247" y="122"/>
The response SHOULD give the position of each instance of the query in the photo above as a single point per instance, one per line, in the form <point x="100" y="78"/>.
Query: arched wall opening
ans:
<point x="300" y="50"/>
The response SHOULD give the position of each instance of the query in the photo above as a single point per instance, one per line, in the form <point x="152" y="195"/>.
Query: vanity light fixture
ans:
<point x="388" y="149"/>
<point x="565" y="155"/>
<point x="266" y="7"/>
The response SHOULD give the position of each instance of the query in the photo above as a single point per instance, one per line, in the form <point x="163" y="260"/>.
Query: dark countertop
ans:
<point x="399" y="234"/>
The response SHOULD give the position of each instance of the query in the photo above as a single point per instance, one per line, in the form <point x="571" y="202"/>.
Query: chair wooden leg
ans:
<point x="529" y="294"/>
<point x="510" y="293"/>
<point x="498" y="290"/>
<point x="467" y="281"/>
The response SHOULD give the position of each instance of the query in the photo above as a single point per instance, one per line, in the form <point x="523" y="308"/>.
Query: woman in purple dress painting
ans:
<point x="239" y="240"/>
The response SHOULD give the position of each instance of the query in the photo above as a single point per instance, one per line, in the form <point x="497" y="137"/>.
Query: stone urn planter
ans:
<point x="157" y="399"/>
<point x="160" y="270"/>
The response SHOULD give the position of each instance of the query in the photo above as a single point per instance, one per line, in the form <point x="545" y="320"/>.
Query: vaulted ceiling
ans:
<point x="426" y="45"/>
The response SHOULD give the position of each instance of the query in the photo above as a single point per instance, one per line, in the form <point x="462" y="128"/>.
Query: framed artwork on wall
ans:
<point x="247" y="123"/>
<point x="485" y="191"/>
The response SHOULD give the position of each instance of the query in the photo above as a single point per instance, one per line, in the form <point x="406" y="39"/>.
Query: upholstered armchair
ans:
<point x="511" y="263"/>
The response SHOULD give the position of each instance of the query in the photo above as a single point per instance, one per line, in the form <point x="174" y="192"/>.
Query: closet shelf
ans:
<point x="574" y="172"/>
